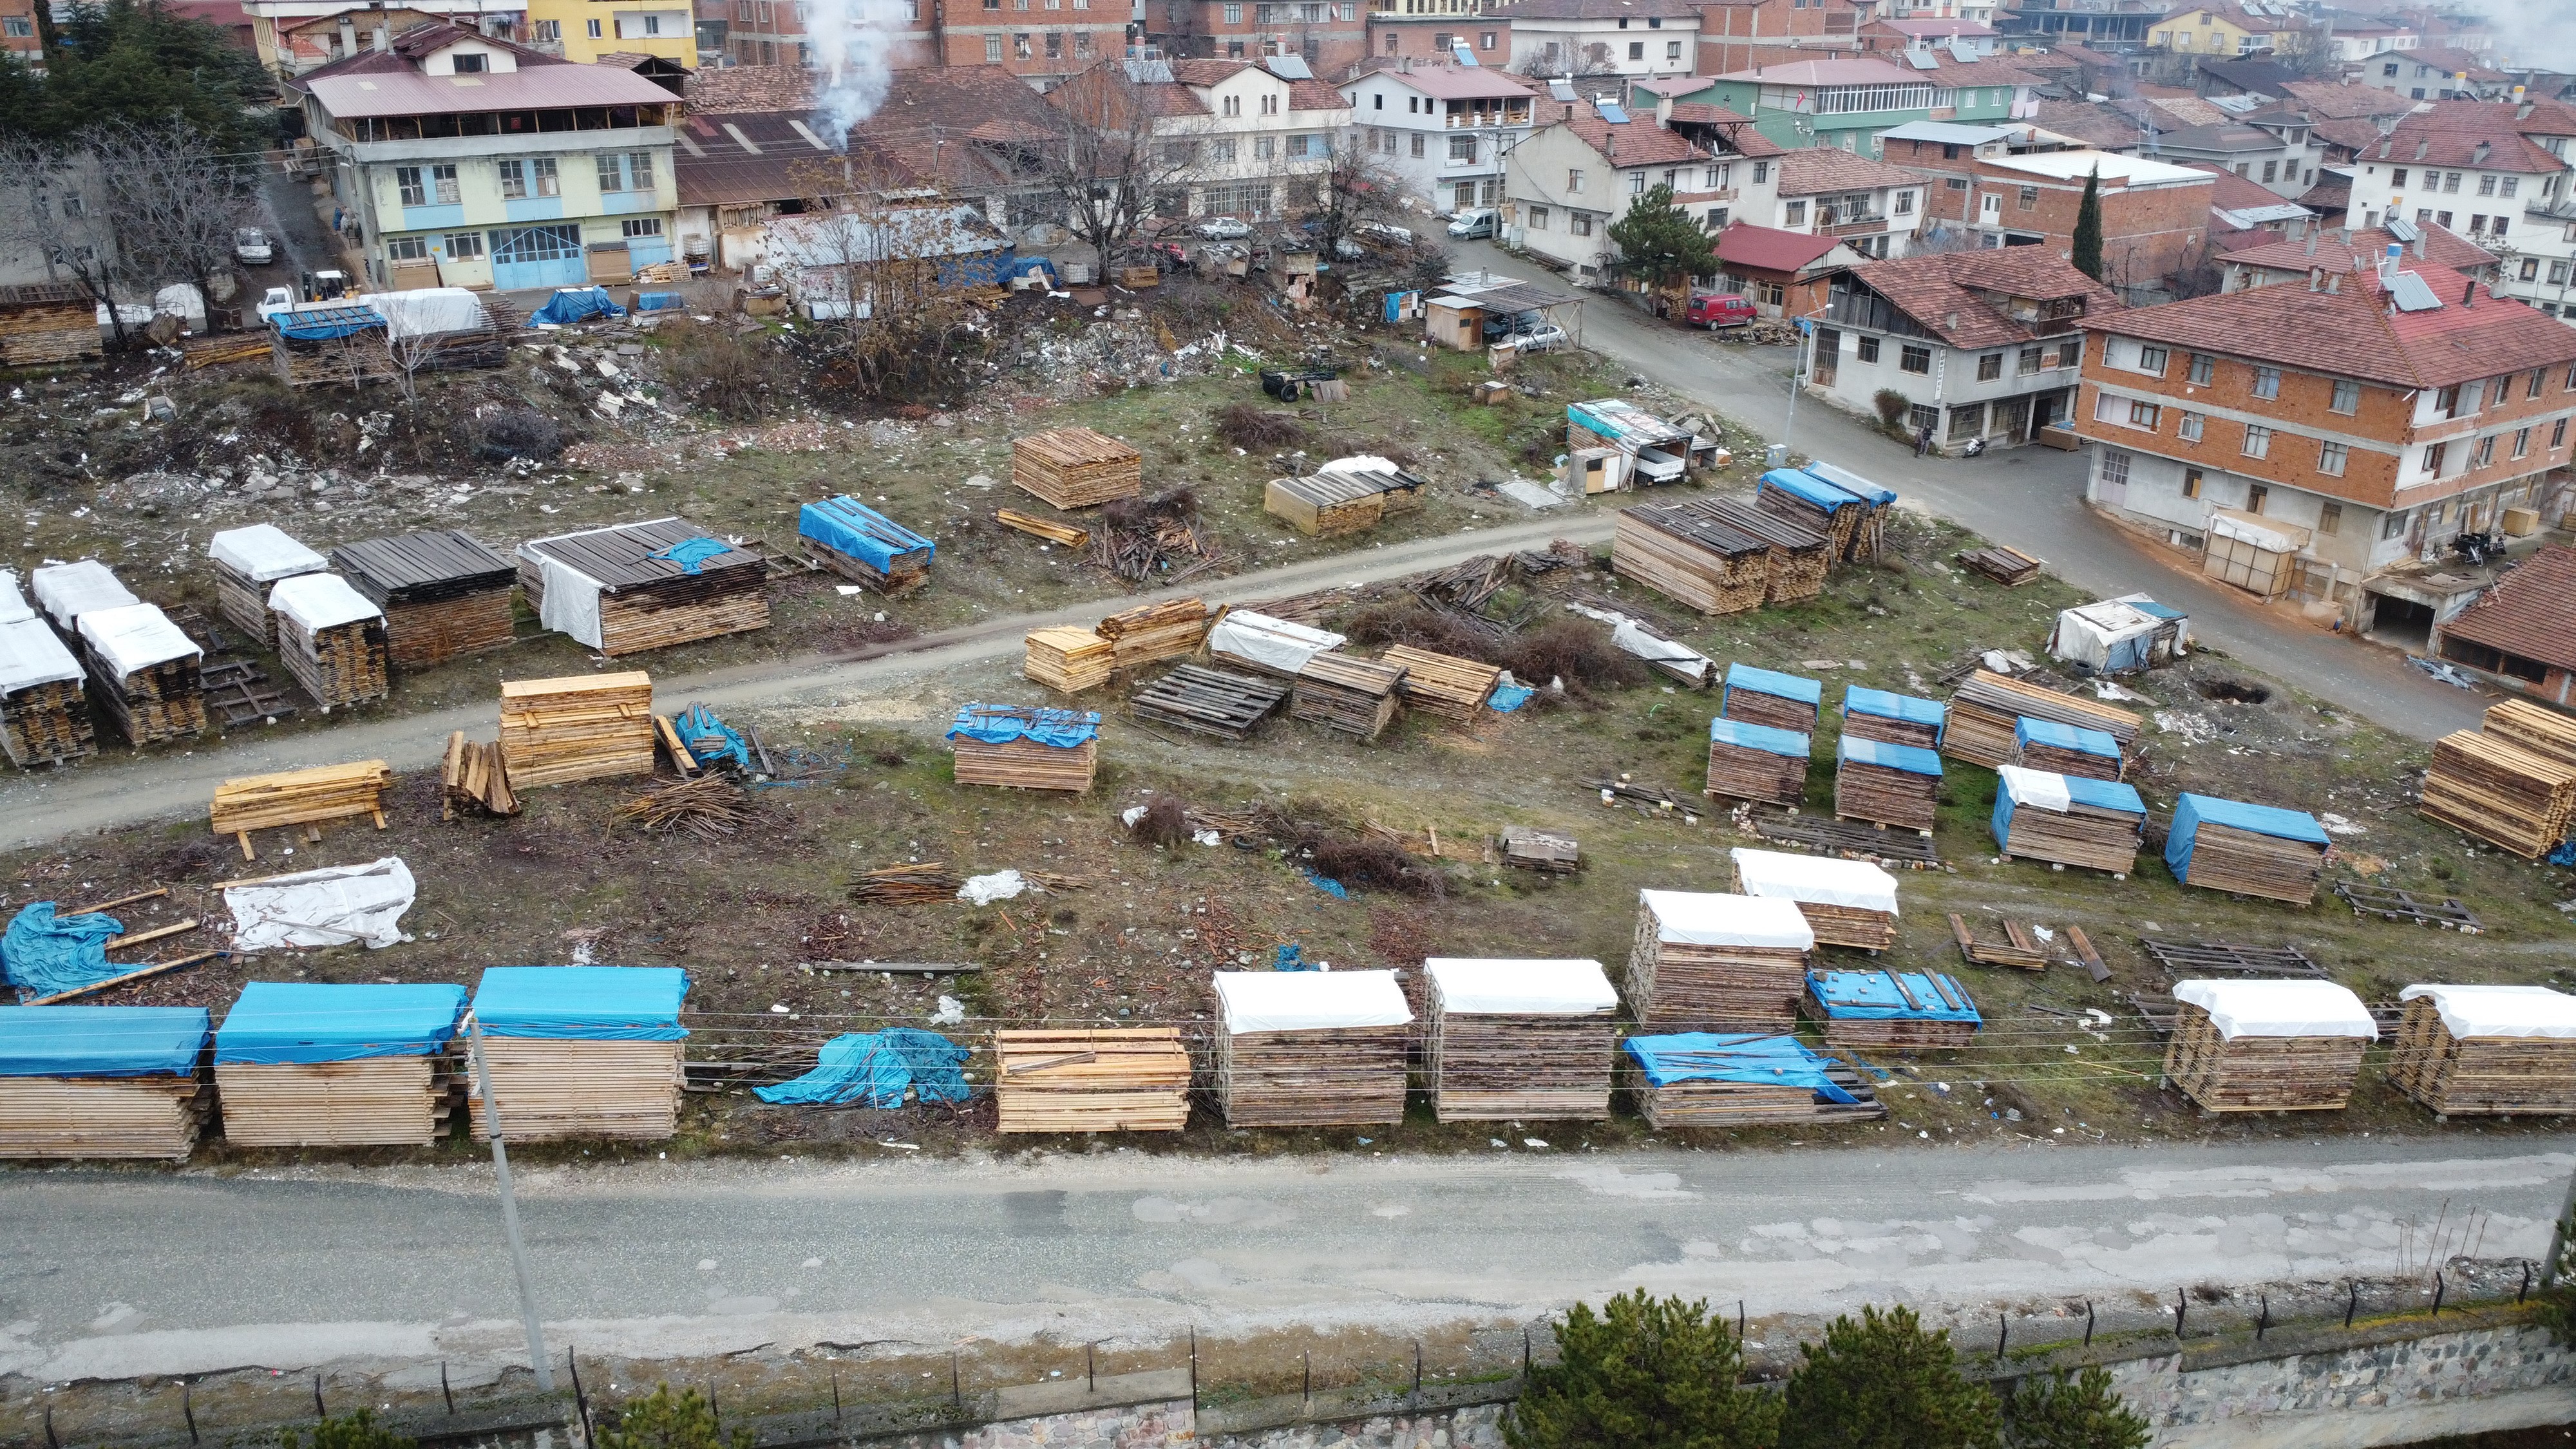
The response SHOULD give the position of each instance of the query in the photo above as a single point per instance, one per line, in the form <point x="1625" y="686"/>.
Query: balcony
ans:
<point x="1851" y="226"/>
<point x="1484" y="120"/>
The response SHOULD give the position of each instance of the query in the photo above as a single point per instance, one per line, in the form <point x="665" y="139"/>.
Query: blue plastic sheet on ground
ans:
<point x="1772" y="682"/>
<point x="851" y="527"/>
<point x="1873" y="996"/>
<point x="293" y="1021"/>
<point x="582" y="1003"/>
<point x="873" y="1068"/>
<point x="2028" y="731"/>
<point x="1291" y="957"/>
<point x="2193" y="811"/>
<point x="322" y="324"/>
<point x="999" y="724"/>
<point x="691" y="554"/>
<point x="1787" y="743"/>
<point x="42" y="953"/>
<point x="1911" y="759"/>
<point x="1328" y="886"/>
<point x="710" y="739"/>
<point x="572" y="304"/>
<point x="1509" y="697"/>
<point x="1808" y="486"/>
<point x="2565" y="854"/>
<point x="1703" y="1056"/>
<point x="101" y="1041"/>
<point x="1887" y="704"/>
<point x="660" y="302"/>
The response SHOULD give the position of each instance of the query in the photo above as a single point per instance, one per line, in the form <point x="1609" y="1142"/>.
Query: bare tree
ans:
<point x="884" y="267"/>
<point x="1118" y="159"/>
<point x="181" y="201"/>
<point x="1352" y="192"/>
<point x="55" y="206"/>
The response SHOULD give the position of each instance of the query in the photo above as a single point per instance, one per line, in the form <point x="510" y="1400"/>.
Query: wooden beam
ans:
<point x="156" y="891"/>
<point x="901" y="968"/>
<point x="128" y="979"/>
<point x="120" y="943"/>
<point x="2085" y="953"/>
<point x="1048" y="529"/>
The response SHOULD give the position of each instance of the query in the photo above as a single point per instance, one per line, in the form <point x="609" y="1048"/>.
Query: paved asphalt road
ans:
<point x="371" y="1270"/>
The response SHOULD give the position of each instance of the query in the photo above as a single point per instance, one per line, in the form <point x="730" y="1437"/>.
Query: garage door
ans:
<point x="538" y="256"/>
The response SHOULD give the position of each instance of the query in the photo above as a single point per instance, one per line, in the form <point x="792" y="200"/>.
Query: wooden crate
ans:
<point x="1443" y="685"/>
<point x="373" y="1101"/>
<point x="579" y="727"/>
<point x="1352" y="696"/>
<point x="2259" y="1073"/>
<point x="1691" y="559"/>
<point x="1354" y="1076"/>
<point x="1135" y="1079"/>
<point x="556" y="1090"/>
<point x="1076" y="467"/>
<point x="444" y="594"/>
<point x="2485" y="1076"/>
<point x="1068" y="660"/>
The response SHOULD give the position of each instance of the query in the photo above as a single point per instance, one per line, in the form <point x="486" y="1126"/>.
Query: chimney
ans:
<point x="2388" y="266"/>
<point x="348" y="36"/>
<point x="2469" y="293"/>
<point x="2312" y="243"/>
<point x="1664" y="111"/>
<point x="2478" y="153"/>
<point x="2422" y="144"/>
<point x="384" y="36"/>
<point x="2316" y="278"/>
<point x="2334" y="284"/>
<point x="2419" y="246"/>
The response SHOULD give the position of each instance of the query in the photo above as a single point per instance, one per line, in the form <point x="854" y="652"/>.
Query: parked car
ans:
<point x="1544" y="337"/>
<point x="1347" y="250"/>
<point x="251" y="248"/>
<point x="1714" y="310"/>
<point x="276" y="300"/>
<point x="1479" y="222"/>
<point x="1222" y="228"/>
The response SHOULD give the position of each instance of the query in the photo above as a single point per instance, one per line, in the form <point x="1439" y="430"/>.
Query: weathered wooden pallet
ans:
<point x="241" y="693"/>
<point x="2390" y="904"/>
<point x="2019" y="949"/>
<point x="1215" y="702"/>
<point x="1849" y="840"/>
<point x="2197" y="958"/>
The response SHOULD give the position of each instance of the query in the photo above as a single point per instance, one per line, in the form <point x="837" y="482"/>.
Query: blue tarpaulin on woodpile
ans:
<point x="1702" y="1056"/>
<point x="873" y="1068"/>
<point x="999" y="724"/>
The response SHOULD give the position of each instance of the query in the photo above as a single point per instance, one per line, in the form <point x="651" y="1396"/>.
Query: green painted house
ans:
<point x="1848" y="103"/>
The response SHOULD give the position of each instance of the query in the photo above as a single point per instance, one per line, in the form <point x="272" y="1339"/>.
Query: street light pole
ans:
<point x="1798" y="378"/>
<point x="509" y="1209"/>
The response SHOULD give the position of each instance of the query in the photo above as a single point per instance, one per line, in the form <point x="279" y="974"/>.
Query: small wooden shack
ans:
<point x="1768" y="697"/>
<point x="1884" y="784"/>
<point x="1986" y="708"/>
<point x="248" y="563"/>
<point x="331" y="639"/>
<point x="864" y="546"/>
<point x="44" y="712"/>
<point x="578" y="1052"/>
<point x="444" y="595"/>
<point x="1076" y="467"/>
<point x="103" y="1081"/>
<point x="1800" y="556"/>
<point x="1166" y="629"/>
<point x="1896" y="1010"/>
<point x="1848" y="902"/>
<point x="1266" y="645"/>
<point x="579" y="727"/>
<point x="1350" y="695"/>
<point x="67" y="591"/>
<point x="1025" y="748"/>
<point x="1132" y="1079"/>
<point x="1898" y="719"/>
<point x="143" y="674"/>
<point x="1690" y="558"/>
<point x="1706" y="960"/>
<point x="2068" y="820"/>
<point x="310" y="1065"/>
<point x="1727" y="1079"/>
<point x="1067" y="660"/>
<point x="1311" y="1048"/>
<point x="2040" y="744"/>
<point x="1443" y="686"/>
<point x="2488" y="1051"/>
<point x="1520" y="1040"/>
<point x="2267" y="1046"/>
<point x="1757" y="763"/>
<point x="46" y="324"/>
<point x="639" y="586"/>
<point x="2246" y="850"/>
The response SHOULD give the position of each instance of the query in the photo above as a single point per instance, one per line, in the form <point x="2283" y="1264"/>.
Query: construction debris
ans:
<point x="919" y="883"/>
<point x="472" y="774"/>
<point x="2020" y="949"/>
<point x="710" y="807"/>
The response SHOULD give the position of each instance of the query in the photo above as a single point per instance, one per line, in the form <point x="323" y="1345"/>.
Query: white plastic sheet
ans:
<point x="67" y="591"/>
<point x="2237" y="526"/>
<point x="332" y="906"/>
<point x="134" y="637"/>
<point x="571" y="601"/>
<point x="13" y="605"/>
<point x="2509" y="1011"/>
<point x="31" y="654"/>
<point x="1309" y="1000"/>
<point x="1681" y="658"/>
<point x="2036" y="787"/>
<point x="428" y="311"/>
<point x="1701" y="918"/>
<point x="263" y="554"/>
<point x="320" y="601"/>
<point x="2279" y="1008"/>
<point x="1475" y="987"/>
<point x="1856" y="884"/>
<point x="983" y="890"/>
<point x="2087" y="634"/>
<point x="1274" y="643"/>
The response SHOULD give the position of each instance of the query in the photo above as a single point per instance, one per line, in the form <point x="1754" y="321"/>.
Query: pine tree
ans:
<point x="134" y="61"/>
<point x="2083" y="1412"/>
<point x="664" y="1420"/>
<point x="1644" y="1373"/>
<point x="1885" y="1383"/>
<point x="2088" y="227"/>
<point x="1659" y="242"/>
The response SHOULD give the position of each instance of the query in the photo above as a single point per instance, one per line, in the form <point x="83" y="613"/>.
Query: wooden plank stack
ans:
<point x="143" y="674"/>
<point x="1847" y="902"/>
<point x="2486" y="1050"/>
<point x="1690" y="558"/>
<point x="1682" y="1099"/>
<point x="1311" y="1048"/>
<point x="1354" y="696"/>
<point x="2057" y="749"/>
<point x="2267" y="1046"/>
<point x="2528" y="726"/>
<point x="1443" y="685"/>
<point x="1906" y="1011"/>
<point x="1771" y="699"/>
<point x="1733" y="963"/>
<point x="1800" y="556"/>
<point x="578" y="727"/>
<point x="1221" y="703"/>
<point x="301" y="797"/>
<point x="1540" y="850"/>
<point x="580" y="1051"/>
<point x="338" y="1066"/>
<point x="1068" y="660"/>
<point x="44" y="711"/>
<point x="1099" y="1080"/>
<point x="1076" y="467"/>
<point x="1893" y="785"/>
<point x="2099" y="829"/>
<point x="645" y="602"/>
<point x="2009" y="567"/>
<point x="444" y="594"/>
<point x="991" y="744"/>
<point x="473" y="776"/>
<point x="1165" y="630"/>
<point x="1325" y="505"/>
<point x="1520" y="1040"/>
<point x="825" y="525"/>
<point x="46" y="323"/>
<point x="1987" y="706"/>
<point x="1897" y="719"/>
<point x="1814" y="504"/>
<point x="2494" y="788"/>
<point x="248" y="562"/>
<point x="1756" y="762"/>
<point x="103" y="1081"/>
<point x="2249" y="850"/>
<point x="331" y="639"/>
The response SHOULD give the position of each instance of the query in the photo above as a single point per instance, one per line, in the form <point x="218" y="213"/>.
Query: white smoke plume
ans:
<point x="854" y="43"/>
<point x="2532" y="33"/>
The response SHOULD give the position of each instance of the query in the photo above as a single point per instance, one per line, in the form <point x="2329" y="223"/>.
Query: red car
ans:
<point x="1720" y="309"/>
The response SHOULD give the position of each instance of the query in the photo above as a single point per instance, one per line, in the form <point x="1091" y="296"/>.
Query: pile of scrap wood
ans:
<point x="709" y="807"/>
<point x="1987" y="708"/>
<point x="1691" y="558"/>
<point x="1520" y="1040"/>
<point x="2068" y="820"/>
<point x="472" y="775"/>
<point x="1800" y="556"/>
<point x="2486" y="1050"/>
<point x="1884" y="784"/>
<point x="1847" y="902"/>
<point x="2244" y="849"/>
<point x="1540" y="850"/>
<point x="1702" y="960"/>
<point x="1149" y="632"/>
<point x="442" y="592"/>
<point x="1311" y="1048"/>
<point x="1756" y="762"/>
<point x="2492" y="784"/>
<point x="578" y="727"/>
<point x="2009" y="567"/>
<point x="2060" y="749"/>
<point x="919" y="883"/>
<point x="1704" y="1079"/>
<point x="1354" y="696"/>
<point x="1158" y="539"/>
<point x="300" y="797"/>
<point x="1221" y="703"/>
<point x="197" y="352"/>
<point x="1068" y="660"/>
<point x="312" y="1065"/>
<point x="2019" y="949"/>
<point x="103" y="1081"/>
<point x="1899" y="1010"/>
<point x="1076" y="467"/>
<point x="1443" y="685"/>
<point x="1024" y="748"/>
<point x="1101" y="1080"/>
<point x="331" y="639"/>
<point x="1772" y="699"/>
<point x="2267" y="1046"/>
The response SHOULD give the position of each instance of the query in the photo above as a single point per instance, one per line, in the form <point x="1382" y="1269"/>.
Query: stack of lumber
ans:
<point x="1149" y="632"/>
<point x="1876" y="499"/>
<point x="1772" y="699"/>
<point x="1326" y="505"/>
<point x="247" y="562"/>
<point x="1540" y="850"/>
<point x="2267" y="1046"/>
<point x="914" y="883"/>
<point x="44" y="712"/>
<point x="67" y="591"/>
<point x="2542" y="731"/>
<point x="1704" y="1079"/>
<point x="1133" y="1080"/>
<point x="1756" y="762"/>
<point x="198" y="352"/>
<point x="1046" y="528"/>
<point x="1800" y="556"/>
<point x="2250" y="850"/>
<point x="1311" y="1048"/>
<point x="1354" y="696"/>
<point x="1899" y="1010"/>
<point x="1068" y="660"/>
<point x="2060" y="749"/>
<point x="331" y="639"/>
<point x="2494" y="788"/>
<point x="1076" y="467"/>
<point x="607" y="588"/>
<point x="144" y="673"/>
<point x="443" y="593"/>
<point x="1024" y="748"/>
<point x="102" y="1081"/>
<point x="1884" y="784"/>
<point x="1217" y="702"/>
<point x="1690" y="558"/>
<point x="2019" y="949"/>
<point x="1443" y="685"/>
<point x="1268" y="645"/>
<point x="1810" y="501"/>
<point x="473" y="775"/>
<point x="2486" y="1050"/>
<point x="1515" y="1040"/>
<point x="1729" y="962"/>
<point x="577" y="1052"/>
<point x="1987" y="708"/>
<point x="338" y="1066"/>
<point x="301" y="797"/>
<point x="2068" y="820"/>
<point x="45" y="323"/>
<point x="2009" y="567"/>
<point x="1847" y="902"/>
<point x="864" y="546"/>
<point x="1898" y="719"/>
<point x="579" y="727"/>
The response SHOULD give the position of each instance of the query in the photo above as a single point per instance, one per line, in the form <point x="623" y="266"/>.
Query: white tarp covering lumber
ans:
<point x="1681" y="659"/>
<point x="2509" y="1011"/>
<point x="1273" y="643"/>
<point x="1309" y="1000"/>
<point x="571" y="604"/>
<point x="2037" y="787"/>
<point x="1818" y="881"/>
<point x="13" y="605"/>
<point x="321" y="601"/>
<point x="263" y="554"/>
<point x="32" y="654"/>
<point x="2089" y="633"/>
<point x="67" y="591"/>
<point x="329" y="907"/>
<point x="1703" y="918"/>
<point x="2279" y="1008"/>
<point x="428" y="311"/>
<point x="134" y="637"/>
<point x="2269" y="537"/>
<point x="1474" y="987"/>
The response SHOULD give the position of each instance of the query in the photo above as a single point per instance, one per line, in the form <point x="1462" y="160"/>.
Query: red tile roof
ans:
<point x="1768" y="249"/>
<point x="733" y="89"/>
<point x="2485" y="142"/>
<point x="1820" y="169"/>
<point x="2355" y="332"/>
<point x="2098" y="126"/>
<point x="1638" y="143"/>
<point x="1942" y="291"/>
<point x="2324" y="100"/>
<point x="1314" y="95"/>
<point x="2231" y="192"/>
<point x="2531" y="611"/>
<point x="2340" y="251"/>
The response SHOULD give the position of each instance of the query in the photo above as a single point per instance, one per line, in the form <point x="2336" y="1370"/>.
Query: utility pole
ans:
<point x="1798" y="378"/>
<point x="509" y="1209"/>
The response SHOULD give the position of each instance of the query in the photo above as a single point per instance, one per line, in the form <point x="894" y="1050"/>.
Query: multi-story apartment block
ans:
<point x="2362" y="421"/>
<point x="1329" y="35"/>
<point x="2155" y="215"/>
<point x="1445" y="129"/>
<point x="281" y="30"/>
<point x="2430" y="250"/>
<point x="468" y="161"/>
<point x="1870" y="206"/>
<point x="1040" y="41"/>
<point x="2270" y="148"/>
<point x="1603" y="37"/>
<point x="585" y="30"/>
<point x="1258" y="144"/>
<point x="1849" y="103"/>
<point x="2226" y="30"/>
<point x="1740" y="34"/>
<point x="2470" y="167"/>
<point x="2110" y="27"/>
<point x="1437" y="31"/>
<point x="18" y="37"/>
<point x="1576" y="174"/>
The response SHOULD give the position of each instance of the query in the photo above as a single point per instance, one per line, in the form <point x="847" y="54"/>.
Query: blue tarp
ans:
<point x="1765" y="681"/>
<point x="691" y="554"/>
<point x="42" y="953"/>
<point x="2565" y="854"/>
<point x="101" y="1041"/>
<point x="1724" y="731"/>
<point x="281" y="1021"/>
<point x="1811" y="488"/>
<point x="2101" y="794"/>
<point x="572" y="304"/>
<point x="872" y="1069"/>
<point x="1509" y="697"/>
<point x="710" y="739"/>
<point x="1704" y="1056"/>
<point x="582" y="1003"/>
<point x="1887" y="704"/>
<point x="2028" y="731"/>
<point x="2193" y="811"/>
<point x="1873" y="996"/>
<point x="853" y="528"/>
<point x="1909" y="758"/>
<point x="1875" y="495"/>
<point x="660" y="302"/>
<point x="321" y="324"/>
<point x="2153" y="609"/>
<point x="999" y="724"/>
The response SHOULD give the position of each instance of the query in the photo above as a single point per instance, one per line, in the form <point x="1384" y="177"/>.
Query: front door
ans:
<point x="1828" y="358"/>
<point x="538" y="256"/>
<point x="1990" y="207"/>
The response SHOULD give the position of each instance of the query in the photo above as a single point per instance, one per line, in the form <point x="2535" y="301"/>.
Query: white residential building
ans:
<point x="1260" y="143"/>
<point x="1445" y="129"/>
<point x="1602" y="37"/>
<point x="2492" y="172"/>
<point x="1574" y="176"/>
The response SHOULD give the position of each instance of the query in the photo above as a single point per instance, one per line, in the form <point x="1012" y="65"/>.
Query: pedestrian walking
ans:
<point x="1923" y="441"/>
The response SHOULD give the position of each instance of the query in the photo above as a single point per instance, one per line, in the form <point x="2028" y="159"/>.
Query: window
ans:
<point x="2450" y="181"/>
<point x="2255" y="496"/>
<point x="2115" y="467"/>
<point x="2486" y="184"/>
<point x="2512" y="184"/>
<point x="1967" y="422"/>
<point x="2258" y="442"/>
<point x="1869" y="349"/>
<point x="2347" y="397"/>
<point x="1956" y="183"/>
<point x="993" y="47"/>
<point x="17" y="27"/>
<point x="2203" y="368"/>
<point x="1574" y="181"/>
<point x="1582" y="223"/>
<point x="543" y="31"/>
<point x="1485" y="39"/>
<point x="2070" y="352"/>
<point x="2331" y="458"/>
<point x="2500" y="391"/>
<point x="2144" y="414"/>
<point x="2190" y="426"/>
<point x="1538" y="218"/>
<point x="2433" y="454"/>
<point x="1636" y="50"/>
<point x="2485" y="453"/>
<point x="1636" y="183"/>
<point x="1233" y="12"/>
<point x="1990" y="367"/>
<point x="2027" y="363"/>
<point x="1911" y="358"/>
<point x="1762" y="173"/>
<point x="407" y="248"/>
<point x="1416" y="138"/>
<point x="2446" y="402"/>
<point x="2557" y="434"/>
<point x="635" y="226"/>
<point x="1220" y="150"/>
<point x="542" y="171"/>
<point x="462" y="245"/>
<point x="611" y="174"/>
<point x="2191" y="482"/>
<point x="1266" y="148"/>
<point x="2152" y="359"/>
<point x="1231" y="106"/>
<point x="1794" y="214"/>
<point x="1716" y="218"/>
<point x="2028" y="200"/>
<point x="514" y="179"/>
<point x="2522" y="442"/>
<point x="1672" y="50"/>
<point x="2539" y="375"/>
<point x="2267" y="383"/>
<point x="1081" y="41"/>
<point x="1714" y="178"/>
<point x="2330" y="519"/>
<point x="2394" y="525"/>
<point x="594" y="30"/>
<point x="2271" y="170"/>
<point x="2397" y="177"/>
<point x="408" y="186"/>
<point x="1922" y="417"/>
<point x="1055" y="45"/>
